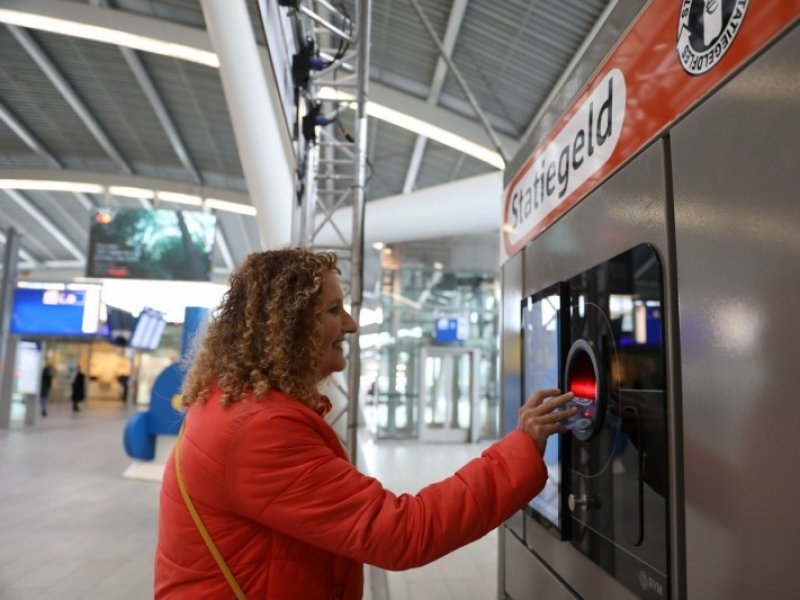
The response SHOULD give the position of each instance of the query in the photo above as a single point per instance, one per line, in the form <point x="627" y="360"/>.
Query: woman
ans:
<point x="283" y="510"/>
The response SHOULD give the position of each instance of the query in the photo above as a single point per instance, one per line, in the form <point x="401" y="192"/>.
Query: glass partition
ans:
<point x="430" y="308"/>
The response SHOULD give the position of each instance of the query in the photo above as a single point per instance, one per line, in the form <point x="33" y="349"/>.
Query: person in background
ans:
<point x="259" y="499"/>
<point x="123" y="383"/>
<point x="78" y="390"/>
<point x="45" y="386"/>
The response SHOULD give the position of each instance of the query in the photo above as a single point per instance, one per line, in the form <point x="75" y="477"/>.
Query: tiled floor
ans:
<point x="72" y="527"/>
<point x="466" y="574"/>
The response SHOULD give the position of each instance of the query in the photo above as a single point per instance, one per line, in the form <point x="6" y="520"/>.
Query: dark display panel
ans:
<point x="542" y="356"/>
<point x="618" y="472"/>
<point x="151" y="244"/>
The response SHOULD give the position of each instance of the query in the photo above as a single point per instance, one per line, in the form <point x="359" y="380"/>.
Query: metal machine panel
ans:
<point x="628" y="210"/>
<point x="533" y="581"/>
<point x="586" y="578"/>
<point x="511" y="359"/>
<point x="737" y="218"/>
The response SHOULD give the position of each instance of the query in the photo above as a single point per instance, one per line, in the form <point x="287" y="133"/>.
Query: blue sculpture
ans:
<point x="165" y="415"/>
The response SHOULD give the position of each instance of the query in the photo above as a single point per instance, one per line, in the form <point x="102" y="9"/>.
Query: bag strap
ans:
<point x="202" y="528"/>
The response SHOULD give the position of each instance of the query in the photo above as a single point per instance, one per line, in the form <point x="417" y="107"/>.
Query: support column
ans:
<point x="9" y="283"/>
<point x="256" y="119"/>
<point x="359" y="200"/>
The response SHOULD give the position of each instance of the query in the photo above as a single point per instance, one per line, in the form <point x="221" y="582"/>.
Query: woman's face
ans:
<point x="336" y="322"/>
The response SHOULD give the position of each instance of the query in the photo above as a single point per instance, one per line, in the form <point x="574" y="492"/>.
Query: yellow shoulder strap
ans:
<point x="202" y="528"/>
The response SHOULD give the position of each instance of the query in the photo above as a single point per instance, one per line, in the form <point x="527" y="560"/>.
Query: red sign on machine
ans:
<point x="674" y="54"/>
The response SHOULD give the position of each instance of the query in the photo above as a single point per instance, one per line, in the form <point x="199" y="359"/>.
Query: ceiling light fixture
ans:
<point x="127" y="192"/>
<point x="177" y="198"/>
<point x="418" y="126"/>
<point x="437" y="134"/>
<point x="109" y="36"/>
<point x="50" y="186"/>
<point x="243" y="209"/>
<point x="131" y="192"/>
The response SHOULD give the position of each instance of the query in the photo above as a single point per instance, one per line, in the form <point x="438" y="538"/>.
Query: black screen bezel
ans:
<point x="564" y="447"/>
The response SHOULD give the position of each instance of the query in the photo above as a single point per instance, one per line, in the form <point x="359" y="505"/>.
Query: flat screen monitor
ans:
<point x="149" y="328"/>
<point x="119" y="326"/>
<point x="68" y="310"/>
<point x="542" y="348"/>
<point x="151" y="244"/>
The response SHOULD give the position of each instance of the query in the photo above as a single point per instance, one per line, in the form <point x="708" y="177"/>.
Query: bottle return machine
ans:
<point x="650" y="253"/>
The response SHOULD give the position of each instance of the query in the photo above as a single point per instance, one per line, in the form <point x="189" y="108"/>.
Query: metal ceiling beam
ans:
<point x="441" y="117"/>
<point x="30" y="140"/>
<point x="157" y="104"/>
<point x="45" y="222"/>
<point x="68" y="93"/>
<point x="567" y="72"/>
<point x="496" y="142"/>
<point x="224" y="249"/>
<point x="23" y="133"/>
<point x="457" y="12"/>
<point x="30" y="261"/>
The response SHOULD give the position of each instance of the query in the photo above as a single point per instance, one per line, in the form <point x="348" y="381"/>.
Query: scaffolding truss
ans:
<point x="330" y="75"/>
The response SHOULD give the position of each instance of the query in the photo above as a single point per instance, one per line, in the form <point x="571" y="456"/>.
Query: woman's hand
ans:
<point x="537" y="419"/>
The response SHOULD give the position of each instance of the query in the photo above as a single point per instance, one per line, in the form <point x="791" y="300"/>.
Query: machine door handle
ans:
<point x="633" y="525"/>
<point x="584" y="502"/>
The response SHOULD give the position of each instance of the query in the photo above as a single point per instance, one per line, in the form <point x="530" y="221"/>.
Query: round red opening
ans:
<point x="581" y="378"/>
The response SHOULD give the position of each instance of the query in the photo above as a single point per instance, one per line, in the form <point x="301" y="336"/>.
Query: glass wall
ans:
<point x="428" y="308"/>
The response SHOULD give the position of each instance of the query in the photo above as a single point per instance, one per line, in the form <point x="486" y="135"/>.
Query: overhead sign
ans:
<point x="650" y="79"/>
<point x="580" y="149"/>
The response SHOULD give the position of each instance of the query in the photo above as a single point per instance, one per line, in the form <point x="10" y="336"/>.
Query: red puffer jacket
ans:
<point x="294" y="519"/>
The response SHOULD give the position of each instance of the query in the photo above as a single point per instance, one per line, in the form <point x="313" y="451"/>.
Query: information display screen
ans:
<point x="149" y="328"/>
<point x="55" y="309"/>
<point x="541" y="339"/>
<point x="451" y="329"/>
<point x="151" y="244"/>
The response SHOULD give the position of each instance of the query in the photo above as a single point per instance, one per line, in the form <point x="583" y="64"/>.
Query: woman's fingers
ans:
<point x="539" y="396"/>
<point x="554" y="402"/>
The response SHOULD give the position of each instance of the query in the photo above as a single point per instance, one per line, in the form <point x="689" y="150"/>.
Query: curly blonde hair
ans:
<point x="264" y="336"/>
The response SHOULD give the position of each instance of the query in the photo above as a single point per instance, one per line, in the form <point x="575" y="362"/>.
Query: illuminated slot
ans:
<point x="582" y="381"/>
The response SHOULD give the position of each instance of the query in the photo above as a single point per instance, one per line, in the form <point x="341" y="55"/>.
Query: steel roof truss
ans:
<point x="68" y="93"/>
<point x="45" y="222"/>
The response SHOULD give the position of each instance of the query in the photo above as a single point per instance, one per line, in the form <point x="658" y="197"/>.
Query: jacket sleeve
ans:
<point x="282" y="473"/>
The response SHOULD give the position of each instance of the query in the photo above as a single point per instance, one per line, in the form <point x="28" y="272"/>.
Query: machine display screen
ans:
<point x="541" y="359"/>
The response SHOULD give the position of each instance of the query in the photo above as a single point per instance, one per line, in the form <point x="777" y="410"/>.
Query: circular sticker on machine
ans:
<point x="706" y="31"/>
